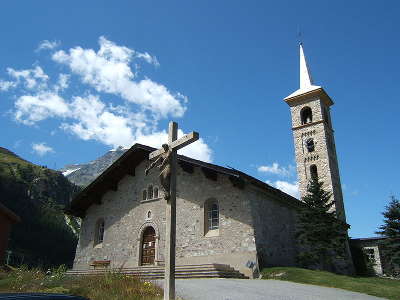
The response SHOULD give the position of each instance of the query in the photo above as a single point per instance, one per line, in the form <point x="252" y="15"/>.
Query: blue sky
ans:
<point x="78" y="78"/>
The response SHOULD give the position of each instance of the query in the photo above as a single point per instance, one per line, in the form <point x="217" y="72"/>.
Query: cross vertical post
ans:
<point x="166" y="160"/>
<point x="170" y="213"/>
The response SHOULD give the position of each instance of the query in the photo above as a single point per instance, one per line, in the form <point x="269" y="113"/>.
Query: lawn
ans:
<point x="111" y="286"/>
<point x="375" y="286"/>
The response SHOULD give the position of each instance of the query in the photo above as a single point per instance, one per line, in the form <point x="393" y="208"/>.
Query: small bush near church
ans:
<point x="110" y="286"/>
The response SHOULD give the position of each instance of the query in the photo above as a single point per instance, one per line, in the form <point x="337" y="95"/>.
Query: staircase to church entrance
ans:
<point x="157" y="272"/>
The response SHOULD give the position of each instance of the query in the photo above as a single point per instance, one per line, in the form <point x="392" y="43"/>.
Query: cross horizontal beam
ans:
<point x="178" y="144"/>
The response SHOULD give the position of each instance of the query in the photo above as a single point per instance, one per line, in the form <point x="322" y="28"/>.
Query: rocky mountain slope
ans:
<point x="38" y="195"/>
<point x="83" y="174"/>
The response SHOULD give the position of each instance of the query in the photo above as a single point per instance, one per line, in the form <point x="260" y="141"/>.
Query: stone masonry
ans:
<point x="253" y="224"/>
<point x="324" y="156"/>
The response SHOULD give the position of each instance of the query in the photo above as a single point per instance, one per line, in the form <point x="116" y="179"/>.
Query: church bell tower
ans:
<point x="313" y="137"/>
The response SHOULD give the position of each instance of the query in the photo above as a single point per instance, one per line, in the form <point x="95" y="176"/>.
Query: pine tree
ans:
<point x="320" y="234"/>
<point x="391" y="231"/>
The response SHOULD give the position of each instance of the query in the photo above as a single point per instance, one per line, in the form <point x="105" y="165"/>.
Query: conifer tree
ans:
<point x="320" y="234"/>
<point x="391" y="231"/>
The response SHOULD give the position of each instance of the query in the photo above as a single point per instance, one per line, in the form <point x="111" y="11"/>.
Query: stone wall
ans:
<point x="324" y="156"/>
<point x="274" y="226"/>
<point x="242" y="211"/>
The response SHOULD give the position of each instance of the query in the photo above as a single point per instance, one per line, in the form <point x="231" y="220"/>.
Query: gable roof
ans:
<point x="127" y="164"/>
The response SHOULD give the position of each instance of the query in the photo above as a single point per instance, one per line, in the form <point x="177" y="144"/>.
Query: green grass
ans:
<point x="111" y="286"/>
<point x="375" y="286"/>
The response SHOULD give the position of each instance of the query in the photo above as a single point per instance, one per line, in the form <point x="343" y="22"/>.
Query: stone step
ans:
<point x="182" y="271"/>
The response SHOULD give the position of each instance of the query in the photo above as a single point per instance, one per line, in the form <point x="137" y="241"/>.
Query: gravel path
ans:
<point x="240" y="289"/>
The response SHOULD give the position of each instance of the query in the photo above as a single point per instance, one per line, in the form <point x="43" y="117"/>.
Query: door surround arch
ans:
<point x="139" y="251"/>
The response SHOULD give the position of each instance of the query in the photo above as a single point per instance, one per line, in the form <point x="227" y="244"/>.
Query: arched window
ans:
<point x="99" y="233"/>
<point x="310" y="145"/>
<point x="155" y="192"/>
<point x="150" y="192"/>
<point x="313" y="172"/>
<point x="144" y="195"/>
<point x="306" y="115"/>
<point x="211" y="209"/>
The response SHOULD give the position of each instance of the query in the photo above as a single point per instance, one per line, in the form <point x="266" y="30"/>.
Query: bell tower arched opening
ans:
<point x="306" y="115"/>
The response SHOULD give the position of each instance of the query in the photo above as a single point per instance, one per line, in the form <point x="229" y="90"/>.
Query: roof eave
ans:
<point x="294" y="98"/>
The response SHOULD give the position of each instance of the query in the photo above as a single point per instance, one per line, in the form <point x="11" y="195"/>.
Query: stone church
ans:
<point x="224" y="216"/>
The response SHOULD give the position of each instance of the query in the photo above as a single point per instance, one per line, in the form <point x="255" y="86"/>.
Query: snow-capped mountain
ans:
<point x="83" y="174"/>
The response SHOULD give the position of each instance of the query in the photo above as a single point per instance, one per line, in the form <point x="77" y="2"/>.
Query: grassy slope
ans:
<point x="37" y="194"/>
<point x="106" y="287"/>
<point x="9" y="162"/>
<point x="380" y="287"/>
<point x="9" y="159"/>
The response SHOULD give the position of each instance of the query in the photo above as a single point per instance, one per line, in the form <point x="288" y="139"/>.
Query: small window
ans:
<point x="211" y="221"/>
<point x="99" y="234"/>
<point x="314" y="172"/>
<point x="155" y="192"/>
<point x="213" y="217"/>
<point x="149" y="214"/>
<point x="144" y="195"/>
<point x="306" y="115"/>
<point x="310" y="145"/>
<point x="150" y="192"/>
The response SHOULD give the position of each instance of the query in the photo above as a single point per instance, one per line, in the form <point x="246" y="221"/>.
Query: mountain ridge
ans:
<point x="84" y="174"/>
<point x="38" y="195"/>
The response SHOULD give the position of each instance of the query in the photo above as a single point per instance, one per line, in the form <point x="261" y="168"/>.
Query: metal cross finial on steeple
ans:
<point x="299" y="36"/>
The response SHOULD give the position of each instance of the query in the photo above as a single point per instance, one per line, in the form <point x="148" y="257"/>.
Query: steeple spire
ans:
<point x="305" y="75"/>
<point x="306" y="82"/>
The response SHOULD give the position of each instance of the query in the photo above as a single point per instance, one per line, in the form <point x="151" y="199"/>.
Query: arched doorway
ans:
<point x="148" y="246"/>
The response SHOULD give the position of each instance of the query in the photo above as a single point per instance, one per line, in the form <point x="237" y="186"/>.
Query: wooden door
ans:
<point x="148" y="246"/>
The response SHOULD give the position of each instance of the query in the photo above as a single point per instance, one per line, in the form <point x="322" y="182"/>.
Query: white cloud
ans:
<point x="93" y="120"/>
<point x="90" y="119"/>
<point x="46" y="44"/>
<point x="108" y="70"/>
<point x="291" y="188"/>
<point x="33" y="108"/>
<point x="63" y="82"/>
<point x="6" y="85"/>
<point x="276" y="169"/>
<point x="198" y="150"/>
<point x="150" y="59"/>
<point x="41" y="149"/>
<point x="32" y="78"/>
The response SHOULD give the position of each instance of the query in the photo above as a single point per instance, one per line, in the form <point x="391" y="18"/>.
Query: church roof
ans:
<point x="9" y="214"/>
<point x="127" y="163"/>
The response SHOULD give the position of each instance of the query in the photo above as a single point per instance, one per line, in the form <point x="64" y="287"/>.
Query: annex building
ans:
<point x="224" y="216"/>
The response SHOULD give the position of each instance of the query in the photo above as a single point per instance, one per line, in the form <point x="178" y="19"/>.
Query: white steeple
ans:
<point x="306" y="82"/>
<point x="305" y="75"/>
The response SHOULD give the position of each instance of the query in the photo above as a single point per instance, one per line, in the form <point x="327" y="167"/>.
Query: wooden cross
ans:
<point x="174" y="145"/>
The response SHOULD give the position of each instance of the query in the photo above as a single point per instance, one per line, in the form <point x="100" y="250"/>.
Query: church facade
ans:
<point x="224" y="216"/>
